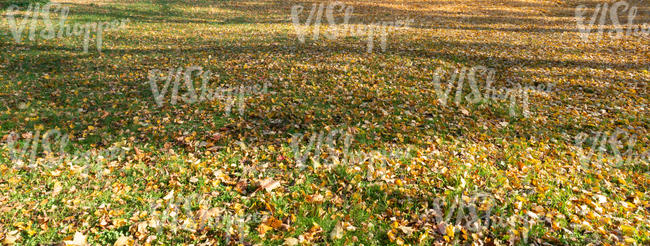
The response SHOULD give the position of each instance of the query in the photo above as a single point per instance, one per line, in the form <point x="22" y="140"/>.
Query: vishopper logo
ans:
<point x="381" y="28"/>
<point x="49" y="151"/>
<point x="317" y="143"/>
<point x="462" y="212"/>
<point x="478" y="214"/>
<point x="192" y="213"/>
<point x="34" y="11"/>
<point x="228" y="95"/>
<point x="51" y="141"/>
<point x="335" y="144"/>
<point x="613" y="148"/>
<point x="600" y="13"/>
<point x="475" y="77"/>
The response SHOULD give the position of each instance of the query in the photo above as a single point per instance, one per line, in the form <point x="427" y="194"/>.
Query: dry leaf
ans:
<point x="407" y="230"/>
<point x="169" y="195"/>
<point x="464" y="111"/>
<point x="337" y="232"/>
<point x="78" y="240"/>
<point x="123" y="241"/>
<point x="291" y="241"/>
<point x="11" y="238"/>
<point x="269" y="184"/>
<point x="241" y="186"/>
<point x="273" y="222"/>
<point x="57" y="188"/>
<point x="317" y="198"/>
<point x="263" y="228"/>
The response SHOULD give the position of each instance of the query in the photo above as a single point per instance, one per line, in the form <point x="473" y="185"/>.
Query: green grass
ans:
<point x="385" y="100"/>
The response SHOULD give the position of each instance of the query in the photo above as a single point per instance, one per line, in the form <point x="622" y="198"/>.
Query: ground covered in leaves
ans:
<point x="403" y="164"/>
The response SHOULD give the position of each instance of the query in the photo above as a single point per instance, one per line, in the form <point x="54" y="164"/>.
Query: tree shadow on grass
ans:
<point x="291" y="119"/>
<point x="303" y="106"/>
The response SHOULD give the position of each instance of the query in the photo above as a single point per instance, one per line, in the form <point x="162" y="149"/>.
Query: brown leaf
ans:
<point x="273" y="222"/>
<point x="241" y="186"/>
<point x="317" y="198"/>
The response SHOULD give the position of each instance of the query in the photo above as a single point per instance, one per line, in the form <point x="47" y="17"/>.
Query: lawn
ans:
<point x="233" y="122"/>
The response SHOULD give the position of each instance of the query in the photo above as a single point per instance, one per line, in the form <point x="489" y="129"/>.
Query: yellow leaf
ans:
<point x="450" y="231"/>
<point x="263" y="228"/>
<point x="628" y="230"/>
<point x="422" y="237"/>
<point x="391" y="235"/>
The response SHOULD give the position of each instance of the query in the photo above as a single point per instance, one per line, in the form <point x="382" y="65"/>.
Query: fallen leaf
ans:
<point x="78" y="240"/>
<point x="57" y="188"/>
<point x="464" y="111"/>
<point x="407" y="230"/>
<point x="291" y="241"/>
<point x="337" y="232"/>
<point x="273" y="222"/>
<point x="269" y="184"/>
<point x="169" y="195"/>
<point x="263" y="228"/>
<point x="123" y="241"/>
<point x="628" y="230"/>
<point x="11" y="238"/>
